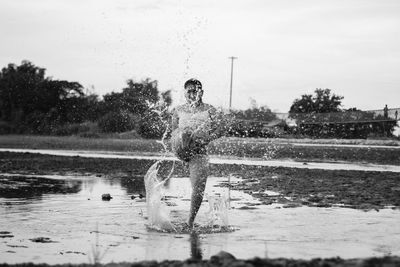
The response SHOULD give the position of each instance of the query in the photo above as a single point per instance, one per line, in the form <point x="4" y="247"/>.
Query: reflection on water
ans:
<point x="134" y="185"/>
<point x="68" y="213"/>
<point x="17" y="186"/>
<point x="195" y="247"/>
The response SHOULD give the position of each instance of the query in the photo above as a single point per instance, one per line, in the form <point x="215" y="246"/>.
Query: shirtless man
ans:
<point x="193" y="128"/>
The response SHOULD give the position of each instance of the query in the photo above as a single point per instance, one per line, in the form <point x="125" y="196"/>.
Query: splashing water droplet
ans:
<point x="157" y="211"/>
<point x="218" y="213"/>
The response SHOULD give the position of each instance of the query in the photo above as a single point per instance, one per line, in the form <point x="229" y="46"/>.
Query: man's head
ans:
<point x="193" y="91"/>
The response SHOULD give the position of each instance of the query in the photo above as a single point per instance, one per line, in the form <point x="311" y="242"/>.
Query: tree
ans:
<point x="322" y="102"/>
<point x="18" y="86"/>
<point x="116" y="122"/>
<point x="166" y="97"/>
<point x="261" y="114"/>
<point x="321" y="116"/>
<point x="135" y="98"/>
<point x="251" y="122"/>
<point x="145" y="103"/>
<point x="28" y="96"/>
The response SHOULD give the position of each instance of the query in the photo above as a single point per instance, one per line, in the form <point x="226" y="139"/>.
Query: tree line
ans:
<point x="33" y="103"/>
<point x="320" y="115"/>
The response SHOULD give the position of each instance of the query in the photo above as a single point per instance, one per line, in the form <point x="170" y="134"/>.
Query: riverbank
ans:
<point x="327" y="150"/>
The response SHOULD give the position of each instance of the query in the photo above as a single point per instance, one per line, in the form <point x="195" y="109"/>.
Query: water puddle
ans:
<point x="217" y="160"/>
<point x="68" y="222"/>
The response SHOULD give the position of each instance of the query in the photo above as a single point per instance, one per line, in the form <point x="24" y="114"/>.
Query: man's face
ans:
<point x="192" y="94"/>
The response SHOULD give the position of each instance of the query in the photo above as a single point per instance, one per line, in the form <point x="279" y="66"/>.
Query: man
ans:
<point x="193" y="127"/>
<point x="386" y="112"/>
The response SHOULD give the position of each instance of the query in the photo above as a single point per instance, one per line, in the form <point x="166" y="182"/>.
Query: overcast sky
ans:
<point x="284" y="48"/>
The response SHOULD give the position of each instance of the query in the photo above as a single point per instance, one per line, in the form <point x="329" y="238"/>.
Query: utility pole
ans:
<point x="230" y="95"/>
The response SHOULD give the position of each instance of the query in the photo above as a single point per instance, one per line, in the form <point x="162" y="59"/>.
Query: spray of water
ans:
<point x="218" y="212"/>
<point x="157" y="211"/>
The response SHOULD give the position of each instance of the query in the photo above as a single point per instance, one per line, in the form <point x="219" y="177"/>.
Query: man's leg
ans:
<point x="198" y="168"/>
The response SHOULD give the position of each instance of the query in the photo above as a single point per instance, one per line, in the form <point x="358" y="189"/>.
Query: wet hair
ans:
<point x="194" y="82"/>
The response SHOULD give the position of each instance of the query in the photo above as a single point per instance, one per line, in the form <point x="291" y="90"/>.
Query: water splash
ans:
<point x="157" y="211"/>
<point x="218" y="210"/>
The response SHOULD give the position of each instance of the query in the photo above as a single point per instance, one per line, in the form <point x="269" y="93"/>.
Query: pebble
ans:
<point x="223" y="258"/>
<point x="106" y="197"/>
<point x="42" y="240"/>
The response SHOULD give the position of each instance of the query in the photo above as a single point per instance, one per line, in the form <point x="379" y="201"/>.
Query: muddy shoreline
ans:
<point x="296" y="187"/>
<point x="367" y="191"/>
<point x="365" y="151"/>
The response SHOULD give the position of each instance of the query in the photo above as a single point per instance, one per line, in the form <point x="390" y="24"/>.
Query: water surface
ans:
<point x="69" y="216"/>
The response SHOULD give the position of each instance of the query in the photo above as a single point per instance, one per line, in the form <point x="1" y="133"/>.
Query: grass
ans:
<point x="123" y="142"/>
<point x="79" y="143"/>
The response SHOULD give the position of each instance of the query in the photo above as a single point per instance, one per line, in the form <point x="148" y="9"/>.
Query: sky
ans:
<point x="284" y="48"/>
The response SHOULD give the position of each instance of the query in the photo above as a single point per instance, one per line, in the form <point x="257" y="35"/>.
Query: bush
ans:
<point x="254" y="130"/>
<point x="36" y="123"/>
<point x="116" y="122"/>
<point x="89" y="135"/>
<point x="151" y="126"/>
<point x="74" y="128"/>
<point x="6" y="128"/>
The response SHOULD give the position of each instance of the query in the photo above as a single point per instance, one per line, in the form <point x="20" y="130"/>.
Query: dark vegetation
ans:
<point x="32" y="103"/>
<point x="320" y="115"/>
<point x="255" y="122"/>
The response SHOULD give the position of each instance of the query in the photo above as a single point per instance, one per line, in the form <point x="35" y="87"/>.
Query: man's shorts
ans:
<point x="185" y="147"/>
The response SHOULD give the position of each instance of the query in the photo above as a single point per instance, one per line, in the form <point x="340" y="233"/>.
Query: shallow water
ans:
<point x="69" y="212"/>
<point x="217" y="160"/>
